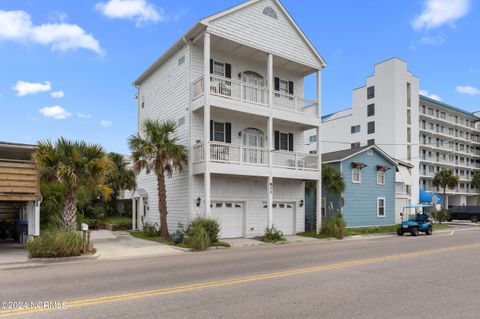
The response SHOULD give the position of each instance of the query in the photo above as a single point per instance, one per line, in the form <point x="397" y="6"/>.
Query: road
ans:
<point x="385" y="277"/>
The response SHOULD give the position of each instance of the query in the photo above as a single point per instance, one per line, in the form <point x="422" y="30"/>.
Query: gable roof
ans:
<point x="240" y="6"/>
<point x="202" y="25"/>
<point x="339" y="156"/>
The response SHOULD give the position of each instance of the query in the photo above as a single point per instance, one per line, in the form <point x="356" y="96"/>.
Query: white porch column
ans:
<point x="134" y="213"/>
<point x="140" y="212"/>
<point x="206" y="119"/>
<point x="36" y="214"/>
<point x="319" y="152"/>
<point x="270" y="140"/>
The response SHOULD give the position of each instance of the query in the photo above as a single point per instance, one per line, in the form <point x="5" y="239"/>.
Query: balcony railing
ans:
<point x="239" y="154"/>
<point x="254" y="94"/>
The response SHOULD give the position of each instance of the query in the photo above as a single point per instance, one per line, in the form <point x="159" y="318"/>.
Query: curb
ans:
<point x="63" y="259"/>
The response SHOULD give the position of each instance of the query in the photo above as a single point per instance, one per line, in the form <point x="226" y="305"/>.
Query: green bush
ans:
<point x="151" y="230"/>
<point x="272" y="235"/>
<point x="197" y="238"/>
<point x="441" y="215"/>
<point x="334" y="226"/>
<point x="210" y="225"/>
<point x="52" y="244"/>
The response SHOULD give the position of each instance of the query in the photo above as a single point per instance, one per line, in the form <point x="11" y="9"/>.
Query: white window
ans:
<point x="380" y="177"/>
<point x="380" y="206"/>
<point x="283" y="86"/>
<point x="218" y="68"/>
<point x="356" y="175"/>
<point x="219" y="132"/>
<point x="313" y="138"/>
<point x="355" y="129"/>
<point x="284" y="141"/>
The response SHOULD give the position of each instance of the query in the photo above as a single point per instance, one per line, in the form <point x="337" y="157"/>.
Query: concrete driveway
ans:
<point x="12" y="253"/>
<point x="120" y="244"/>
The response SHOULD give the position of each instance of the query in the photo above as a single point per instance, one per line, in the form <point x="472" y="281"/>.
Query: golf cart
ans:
<point x="414" y="224"/>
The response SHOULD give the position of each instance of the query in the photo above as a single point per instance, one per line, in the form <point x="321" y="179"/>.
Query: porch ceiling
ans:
<point x="225" y="45"/>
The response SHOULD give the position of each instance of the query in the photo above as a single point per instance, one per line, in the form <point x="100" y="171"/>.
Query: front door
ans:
<point x="253" y="142"/>
<point x="254" y="89"/>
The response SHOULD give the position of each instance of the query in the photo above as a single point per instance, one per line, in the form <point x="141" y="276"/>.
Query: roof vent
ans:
<point x="268" y="11"/>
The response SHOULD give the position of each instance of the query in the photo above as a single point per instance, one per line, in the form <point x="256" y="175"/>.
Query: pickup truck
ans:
<point x="471" y="213"/>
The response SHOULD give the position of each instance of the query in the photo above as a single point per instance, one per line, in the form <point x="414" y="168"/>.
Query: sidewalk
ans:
<point x="120" y="244"/>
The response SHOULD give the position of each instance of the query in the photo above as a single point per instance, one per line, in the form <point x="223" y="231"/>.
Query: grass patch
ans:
<point x="219" y="244"/>
<point x="368" y="231"/>
<point x="117" y="220"/>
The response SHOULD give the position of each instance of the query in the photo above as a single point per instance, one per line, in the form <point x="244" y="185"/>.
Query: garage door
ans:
<point x="283" y="216"/>
<point x="230" y="215"/>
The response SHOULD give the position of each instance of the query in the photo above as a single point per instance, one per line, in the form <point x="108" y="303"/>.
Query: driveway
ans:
<point x="12" y="253"/>
<point x="121" y="244"/>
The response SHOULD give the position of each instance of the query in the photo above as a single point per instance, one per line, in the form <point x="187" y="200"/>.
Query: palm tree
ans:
<point x="476" y="184"/>
<point x="121" y="176"/>
<point x="332" y="182"/>
<point x="73" y="164"/>
<point x="444" y="179"/>
<point x="157" y="150"/>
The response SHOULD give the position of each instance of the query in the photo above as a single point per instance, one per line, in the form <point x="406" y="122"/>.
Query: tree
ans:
<point x="156" y="150"/>
<point x="73" y="164"/>
<point x="476" y="184"/>
<point x="445" y="179"/>
<point x="332" y="182"/>
<point x="121" y="177"/>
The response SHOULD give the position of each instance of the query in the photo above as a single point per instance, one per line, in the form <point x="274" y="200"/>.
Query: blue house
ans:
<point x="369" y="196"/>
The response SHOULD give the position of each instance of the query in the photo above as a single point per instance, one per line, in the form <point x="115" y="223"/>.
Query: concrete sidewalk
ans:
<point x="120" y="244"/>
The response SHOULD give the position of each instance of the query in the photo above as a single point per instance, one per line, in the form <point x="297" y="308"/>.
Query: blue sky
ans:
<point x="67" y="67"/>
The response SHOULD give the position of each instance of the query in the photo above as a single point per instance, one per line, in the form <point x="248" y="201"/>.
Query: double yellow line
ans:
<point x="236" y="281"/>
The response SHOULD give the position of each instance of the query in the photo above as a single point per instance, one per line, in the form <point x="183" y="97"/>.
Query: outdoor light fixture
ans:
<point x="199" y="200"/>
<point x="301" y="203"/>
<point x="240" y="134"/>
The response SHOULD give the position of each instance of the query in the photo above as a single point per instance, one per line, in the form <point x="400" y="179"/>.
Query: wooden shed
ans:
<point x="20" y="195"/>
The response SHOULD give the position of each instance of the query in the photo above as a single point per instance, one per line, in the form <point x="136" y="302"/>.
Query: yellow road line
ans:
<point x="238" y="280"/>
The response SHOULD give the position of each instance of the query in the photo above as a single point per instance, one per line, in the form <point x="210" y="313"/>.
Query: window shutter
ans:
<point x="277" y="84"/>
<point x="211" y="66"/>
<point x="228" y="132"/>
<point x="211" y="130"/>
<point x="290" y="142"/>
<point x="228" y="70"/>
<point x="277" y="140"/>
<point x="290" y="87"/>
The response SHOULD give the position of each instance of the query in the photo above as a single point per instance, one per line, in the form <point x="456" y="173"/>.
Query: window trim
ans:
<point x="359" y="175"/>
<point x="353" y="129"/>
<point x="384" y="207"/>
<point x="288" y="141"/>
<point x="382" y="174"/>
<point x="224" y="67"/>
<point x="224" y="131"/>
<point x="369" y="131"/>
<point x="368" y="109"/>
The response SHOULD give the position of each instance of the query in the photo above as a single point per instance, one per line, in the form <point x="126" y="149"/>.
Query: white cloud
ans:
<point x="57" y="15"/>
<point x="439" y="12"/>
<point x="57" y="94"/>
<point x="434" y="41"/>
<point x="138" y="10"/>
<point x="432" y="95"/>
<point x="105" y="123"/>
<point x="466" y="89"/>
<point x="17" y="26"/>
<point x="25" y="88"/>
<point x="56" y="112"/>
<point x="84" y="115"/>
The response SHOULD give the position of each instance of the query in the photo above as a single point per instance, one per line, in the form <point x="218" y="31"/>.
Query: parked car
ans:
<point x="471" y="213"/>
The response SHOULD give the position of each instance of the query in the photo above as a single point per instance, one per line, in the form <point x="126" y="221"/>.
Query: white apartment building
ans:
<point x="236" y="90"/>
<point x="389" y="112"/>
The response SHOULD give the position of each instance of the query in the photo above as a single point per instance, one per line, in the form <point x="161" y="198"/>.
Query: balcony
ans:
<point x="256" y="156"/>
<point x="255" y="95"/>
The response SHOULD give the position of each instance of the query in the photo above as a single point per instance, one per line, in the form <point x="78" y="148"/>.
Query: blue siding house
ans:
<point x="369" y="196"/>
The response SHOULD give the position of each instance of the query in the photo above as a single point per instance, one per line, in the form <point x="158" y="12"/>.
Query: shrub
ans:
<point x="198" y="238"/>
<point x="441" y="215"/>
<point x="210" y="225"/>
<point x="334" y="226"/>
<point x="272" y="235"/>
<point x="151" y="230"/>
<point x="59" y="243"/>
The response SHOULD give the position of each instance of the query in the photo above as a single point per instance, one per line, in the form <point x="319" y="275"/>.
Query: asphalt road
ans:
<point x="388" y="277"/>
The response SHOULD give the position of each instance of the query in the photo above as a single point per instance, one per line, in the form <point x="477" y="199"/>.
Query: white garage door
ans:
<point x="283" y="216"/>
<point x="230" y="215"/>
